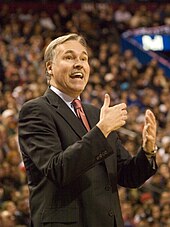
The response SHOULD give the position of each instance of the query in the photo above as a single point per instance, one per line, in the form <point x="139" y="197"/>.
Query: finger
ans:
<point x="123" y="122"/>
<point x="124" y="106"/>
<point x="151" y="131"/>
<point x="146" y="127"/>
<point x="124" y="115"/>
<point x="124" y="118"/>
<point x="150" y="139"/>
<point x="106" y="101"/>
<point x="150" y="116"/>
<point x="124" y="112"/>
<point x="151" y="121"/>
<point x="150" y="113"/>
<point x="145" y="132"/>
<point x="121" y="106"/>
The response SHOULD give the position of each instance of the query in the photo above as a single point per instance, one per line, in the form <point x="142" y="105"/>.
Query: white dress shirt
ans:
<point x="67" y="99"/>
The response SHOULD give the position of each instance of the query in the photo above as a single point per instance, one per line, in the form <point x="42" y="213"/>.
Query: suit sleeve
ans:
<point x="40" y="143"/>
<point x="132" y="171"/>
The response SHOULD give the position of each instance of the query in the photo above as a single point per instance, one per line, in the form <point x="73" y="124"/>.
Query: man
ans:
<point x="73" y="173"/>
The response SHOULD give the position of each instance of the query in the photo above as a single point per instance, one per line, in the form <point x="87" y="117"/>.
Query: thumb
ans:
<point x="106" y="101"/>
<point x="146" y="117"/>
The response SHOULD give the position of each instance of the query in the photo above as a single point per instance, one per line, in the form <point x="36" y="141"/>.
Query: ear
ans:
<point x="49" y="67"/>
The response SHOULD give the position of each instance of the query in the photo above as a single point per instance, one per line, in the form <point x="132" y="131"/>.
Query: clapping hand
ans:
<point x="149" y="133"/>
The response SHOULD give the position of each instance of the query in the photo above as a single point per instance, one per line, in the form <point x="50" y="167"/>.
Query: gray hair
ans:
<point x="50" y="49"/>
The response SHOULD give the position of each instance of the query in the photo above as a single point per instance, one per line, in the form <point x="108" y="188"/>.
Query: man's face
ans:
<point x="70" y="68"/>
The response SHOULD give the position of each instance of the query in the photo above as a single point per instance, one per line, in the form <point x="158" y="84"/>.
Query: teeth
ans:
<point x="77" y="74"/>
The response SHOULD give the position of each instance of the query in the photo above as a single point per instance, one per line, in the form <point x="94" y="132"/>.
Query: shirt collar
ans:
<point x="66" y="98"/>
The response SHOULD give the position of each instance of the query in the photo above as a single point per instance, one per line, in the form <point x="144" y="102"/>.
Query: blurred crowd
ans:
<point x="23" y="37"/>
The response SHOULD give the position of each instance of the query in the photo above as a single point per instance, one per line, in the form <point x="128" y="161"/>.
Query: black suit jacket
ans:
<point x="72" y="174"/>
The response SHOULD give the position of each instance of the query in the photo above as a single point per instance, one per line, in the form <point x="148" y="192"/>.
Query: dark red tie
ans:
<point x="80" y="113"/>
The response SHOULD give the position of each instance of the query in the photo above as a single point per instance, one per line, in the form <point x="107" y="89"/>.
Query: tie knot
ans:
<point x="77" y="104"/>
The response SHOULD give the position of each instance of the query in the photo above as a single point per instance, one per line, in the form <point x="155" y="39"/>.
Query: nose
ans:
<point x="78" y="63"/>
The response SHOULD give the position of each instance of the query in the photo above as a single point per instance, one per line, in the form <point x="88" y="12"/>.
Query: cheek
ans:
<point x="88" y="67"/>
<point x="88" y="70"/>
<point x="60" y="73"/>
<point x="64" y="71"/>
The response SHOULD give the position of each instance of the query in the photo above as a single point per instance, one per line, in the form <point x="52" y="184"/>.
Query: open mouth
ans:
<point x="77" y="75"/>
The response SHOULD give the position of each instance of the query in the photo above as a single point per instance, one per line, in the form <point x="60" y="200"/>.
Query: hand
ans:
<point x="112" y="118"/>
<point x="149" y="132"/>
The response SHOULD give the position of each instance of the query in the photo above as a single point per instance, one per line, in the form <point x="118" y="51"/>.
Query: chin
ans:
<point x="77" y="93"/>
<point x="78" y="89"/>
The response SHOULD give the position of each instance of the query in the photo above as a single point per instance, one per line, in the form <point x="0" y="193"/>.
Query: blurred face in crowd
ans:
<point x="165" y="198"/>
<point x="7" y="219"/>
<point x="156" y="212"/>
<point x="3" y="135"/>
<point x="69" y="68"/>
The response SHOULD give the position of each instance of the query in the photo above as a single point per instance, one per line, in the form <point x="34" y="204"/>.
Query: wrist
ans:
<point x="102" y="128"/>
<point x="150" y="153"/>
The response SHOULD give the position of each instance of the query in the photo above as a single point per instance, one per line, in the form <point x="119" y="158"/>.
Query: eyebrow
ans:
<point x="72" y="52"/>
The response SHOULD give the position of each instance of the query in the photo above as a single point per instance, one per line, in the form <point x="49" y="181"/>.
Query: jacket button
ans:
<point x="101" y="156"/>
<point x="104" y="153"/>
<point x="110" y="213"/>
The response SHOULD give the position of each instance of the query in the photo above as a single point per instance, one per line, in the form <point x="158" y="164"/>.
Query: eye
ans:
<point x="84" y="58"/>
<point x="69" y="57"/>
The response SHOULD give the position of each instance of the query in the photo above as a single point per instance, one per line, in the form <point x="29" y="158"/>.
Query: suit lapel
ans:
<point x="65" y="112"/>
<point x="92" y="117"/>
